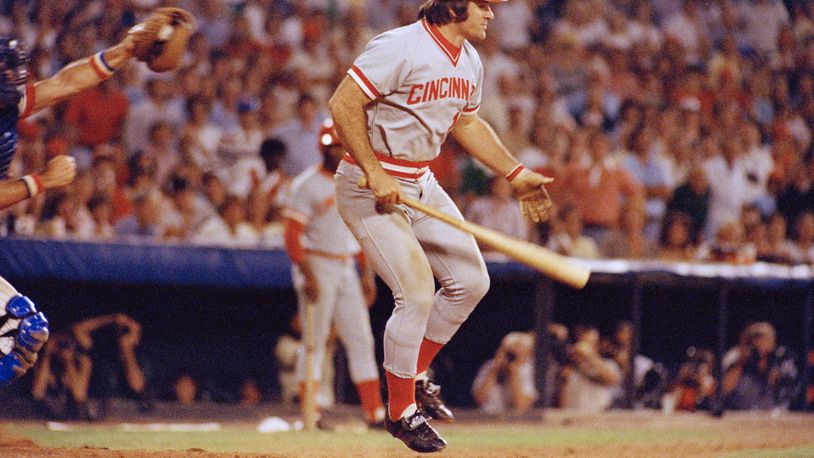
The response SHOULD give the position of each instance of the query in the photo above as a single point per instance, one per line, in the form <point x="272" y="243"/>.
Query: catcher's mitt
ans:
<point x="161" y="40"/>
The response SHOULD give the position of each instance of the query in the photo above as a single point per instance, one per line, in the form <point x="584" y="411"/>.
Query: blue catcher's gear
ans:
<point x="13" y="71"/>
<point x="23" y="332"/>
<point x="13" y="75"/>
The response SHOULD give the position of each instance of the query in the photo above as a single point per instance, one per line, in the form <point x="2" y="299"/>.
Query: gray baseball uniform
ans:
<point x="421" y="83"/>
<point x="330" y="249"/>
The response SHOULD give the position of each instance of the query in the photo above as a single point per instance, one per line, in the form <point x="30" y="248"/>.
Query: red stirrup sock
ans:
<point x="371" y="398"/>
<point x="426" y="354"/>
<point x="400" y="394"/>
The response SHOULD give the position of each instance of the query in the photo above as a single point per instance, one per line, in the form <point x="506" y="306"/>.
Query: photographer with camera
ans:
<point x="758" y="375"/>
<point x="505" y="383"/>
<point x="73" y="366"/>
<point x="61" y="378"/>
<point x="590" y="382"/>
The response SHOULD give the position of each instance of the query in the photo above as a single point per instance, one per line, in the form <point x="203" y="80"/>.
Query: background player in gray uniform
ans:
<point x="411" y="87"/>
<point x="23" y="330"/>
<point x="323" y="251"/>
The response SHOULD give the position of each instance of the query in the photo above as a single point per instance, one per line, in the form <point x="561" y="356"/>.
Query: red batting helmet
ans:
<point x="328" y="136"/>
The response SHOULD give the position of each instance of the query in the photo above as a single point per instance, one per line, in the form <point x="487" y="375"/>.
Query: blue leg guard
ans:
<point x="12" y="366"/>
<point x="20" y="306"/>
<point x="31" y="334"/>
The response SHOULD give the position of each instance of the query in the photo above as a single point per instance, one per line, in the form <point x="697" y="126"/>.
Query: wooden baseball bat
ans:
<point x="309" y="392"/>
<point x="546" y="261"/>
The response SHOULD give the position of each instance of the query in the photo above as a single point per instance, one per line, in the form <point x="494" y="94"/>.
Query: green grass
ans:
<point x="233" y="439"/>
<point x="468" y="439"/>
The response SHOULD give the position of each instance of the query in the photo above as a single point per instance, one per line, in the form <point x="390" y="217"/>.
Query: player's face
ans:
<point x="479" y="15"/>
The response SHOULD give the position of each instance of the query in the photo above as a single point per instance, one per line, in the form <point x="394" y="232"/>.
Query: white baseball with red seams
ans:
<point x="330" y="249"/>
<point x="420" y="84"/>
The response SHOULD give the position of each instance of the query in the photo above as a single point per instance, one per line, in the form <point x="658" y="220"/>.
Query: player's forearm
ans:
<point x="347" y="108"/>
<point x="79" y="75"/>
<point x="132" y="372"/>
<point x="12" y="192"/>
<point x="482" y="143"/>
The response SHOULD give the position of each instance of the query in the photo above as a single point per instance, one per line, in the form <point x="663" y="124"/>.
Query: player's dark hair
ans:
<point x="440" y="12"/>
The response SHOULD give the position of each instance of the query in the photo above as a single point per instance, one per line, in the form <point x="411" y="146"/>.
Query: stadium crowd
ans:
<point x="675" y="130"/>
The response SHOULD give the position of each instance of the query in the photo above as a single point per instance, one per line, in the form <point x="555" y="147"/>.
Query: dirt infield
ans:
<point x="617" y="434"/>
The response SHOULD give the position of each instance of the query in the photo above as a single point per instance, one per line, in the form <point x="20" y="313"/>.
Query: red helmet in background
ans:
<point x="328" y="136"/>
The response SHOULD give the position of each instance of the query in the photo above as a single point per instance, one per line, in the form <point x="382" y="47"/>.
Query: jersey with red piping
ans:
<point x="414" y="70"/>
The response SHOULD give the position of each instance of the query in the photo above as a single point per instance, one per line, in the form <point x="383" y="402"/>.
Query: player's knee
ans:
<point x="471" y="290"/>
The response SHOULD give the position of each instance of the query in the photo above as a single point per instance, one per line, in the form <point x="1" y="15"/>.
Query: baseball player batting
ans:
<point x="322" y="251"/>
<point x="24" y="330"/>
<point x="401" y="97"/>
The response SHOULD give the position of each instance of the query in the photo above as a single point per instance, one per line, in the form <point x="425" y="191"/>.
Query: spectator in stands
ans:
<point x="202" y="136"/>
<point x="692" y="198"/>
<point x="804" y="238"/>
<point x="238" y="151"/>
<point x="590" y="381"/>
<point x="161" y="152"/>
<point x="160" y="105"/>
<point x="778" y="247"/>
<point x="505" y="383"/>
<point x="729" y="188"/>
<point x="274" y="186"/>
<point x="798" y="196"/>
<point x="567" y="237"/>
<point x="728" y="246"/>
<point x="758" y="374"/>
<point x="300" y="136"/>
<point x="652" y="172"/>
<point x="228" y="228"/>
<point x="98" y="113"/>
<point x="145" y="220"/>
<point x="598" y="187"/>
<point x="100" y="209"/>
<point x="498" y="211"/>
<point x="629" y="241"/>
<point x="675" y="242"/>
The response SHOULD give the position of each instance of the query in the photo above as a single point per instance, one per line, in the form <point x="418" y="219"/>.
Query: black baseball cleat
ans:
<point x="415" y="432"/>
<point x="428" y="399"/>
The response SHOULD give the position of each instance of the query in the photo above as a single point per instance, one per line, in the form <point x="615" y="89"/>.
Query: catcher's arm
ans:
<point x="82" y="74"/>
<point x="481" y="141"/>
<point x="59" y="172"/>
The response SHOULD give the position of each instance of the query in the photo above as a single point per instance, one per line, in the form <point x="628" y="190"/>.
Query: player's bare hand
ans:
<point x="386" y="189"/>
<point x="59" y="171"/>
<point x="529" y="187"/>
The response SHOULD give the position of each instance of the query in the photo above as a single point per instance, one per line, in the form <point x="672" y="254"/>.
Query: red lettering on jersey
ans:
<point x="432" y="89"/>
<point x="410" y="99"/>
<point x="442" y="88"/>
<point x="444" y="91"/>
<point x="455" y="88"/>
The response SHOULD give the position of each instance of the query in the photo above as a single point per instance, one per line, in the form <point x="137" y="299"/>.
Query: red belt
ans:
<point x="397" y="167"/>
